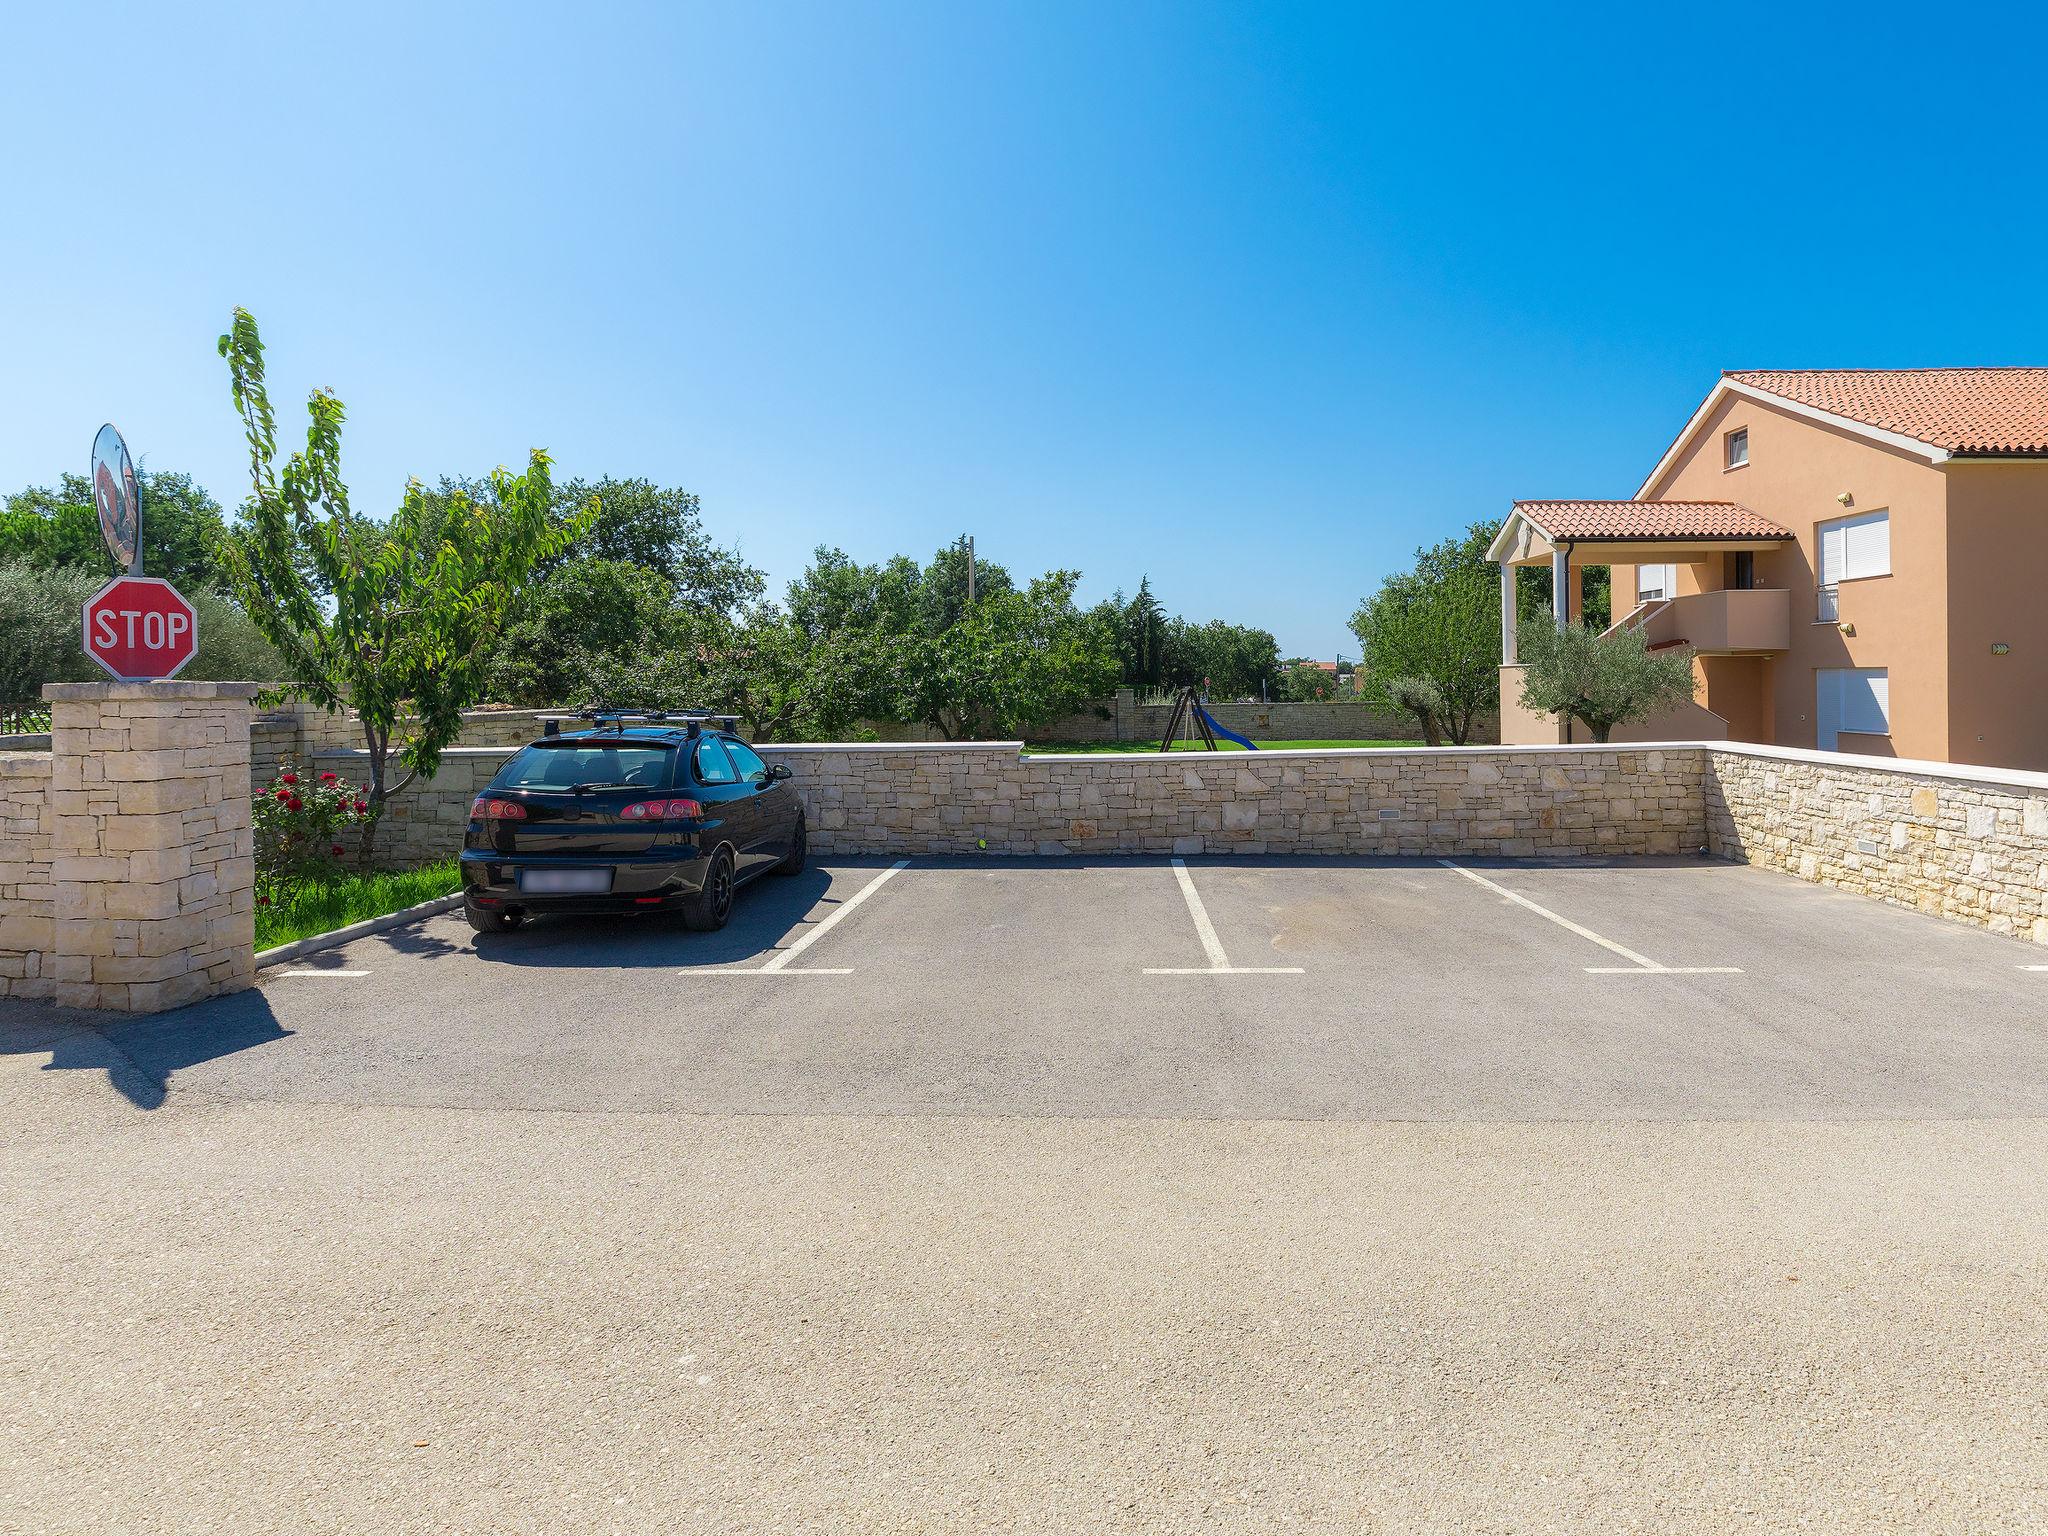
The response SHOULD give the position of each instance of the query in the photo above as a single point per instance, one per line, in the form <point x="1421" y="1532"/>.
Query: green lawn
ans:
<point x="324" y="908"/>
<point x="1054" y="748"/>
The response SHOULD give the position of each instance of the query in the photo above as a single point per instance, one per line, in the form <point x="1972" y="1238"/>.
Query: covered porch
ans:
<point x="1715" y="607"/>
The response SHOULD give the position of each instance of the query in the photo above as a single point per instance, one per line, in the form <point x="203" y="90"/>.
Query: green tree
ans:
<point x="1140" y="629"/>
<point x="942" y="586"/>
<point x="858" y="623"/>
<point x="658" y="528"/>
<point x="765" y="673"/>
<point x="1015" y="659"/>
<point x="576" y="632"/>
<point x="1226" y="660"/>
<point x="410" y="617"/>
<point x="1596" y="601"/>
<point x="1439" y="623"/>
<point x="896" y="641"/>
<point x="1603" y="682"/>
<point x="1420" y="697"/>
<point x="1303" y="681"/>
<point x="182" y="528"/>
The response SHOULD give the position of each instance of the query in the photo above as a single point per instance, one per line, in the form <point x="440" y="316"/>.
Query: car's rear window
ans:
<point x="567" y="766"/>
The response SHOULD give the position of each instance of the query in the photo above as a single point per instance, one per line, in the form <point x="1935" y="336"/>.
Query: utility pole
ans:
<point x="970" y="567"/>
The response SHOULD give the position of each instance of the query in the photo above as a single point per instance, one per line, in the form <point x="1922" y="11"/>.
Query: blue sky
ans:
<point x="1251" y="298"/>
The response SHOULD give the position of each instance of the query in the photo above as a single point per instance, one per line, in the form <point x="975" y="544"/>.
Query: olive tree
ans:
<point x="394" y="620"/>
<point x="1603" y="681"/>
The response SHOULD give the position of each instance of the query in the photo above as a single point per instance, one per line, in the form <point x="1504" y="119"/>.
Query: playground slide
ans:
<point x="1243" y="741"/>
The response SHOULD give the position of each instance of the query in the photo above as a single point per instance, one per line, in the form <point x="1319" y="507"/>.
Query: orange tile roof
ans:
<point x="1649" y="520"/>
<point x="1963" y="410"/>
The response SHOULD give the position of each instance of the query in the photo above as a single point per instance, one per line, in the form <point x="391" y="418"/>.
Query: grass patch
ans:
<point x="337" y="903"/>
<point x="1062" y="748"/>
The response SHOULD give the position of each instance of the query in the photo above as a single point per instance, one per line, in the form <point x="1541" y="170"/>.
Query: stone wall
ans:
<point x="152" y="852"/>
<point x="423" y="823"/>
<point x="28" y="893"/>
<point x="295" y="735"/>
<point x="1963" y="843"/>
<point x="289" y="737"/>
<point x="923" y="799"/>
<point x="936" y="800"/>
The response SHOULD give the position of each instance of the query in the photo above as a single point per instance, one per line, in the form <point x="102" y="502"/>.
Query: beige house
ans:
<point x="1858" y="559"/>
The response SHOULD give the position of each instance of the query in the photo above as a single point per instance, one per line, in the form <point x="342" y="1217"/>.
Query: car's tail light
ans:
<point x="487" y="809"/>
<point x="661" y="810"/>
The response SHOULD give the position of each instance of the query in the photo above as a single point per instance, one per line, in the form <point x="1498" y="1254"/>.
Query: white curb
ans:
<point x="340" y="936"/>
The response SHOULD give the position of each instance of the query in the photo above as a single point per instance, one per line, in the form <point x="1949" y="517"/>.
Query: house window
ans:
<point x="1852" y="548"/>
<point x="1736" y="448"/>
<point x="1654" y="582"/>
<point x="1851" y="699"/>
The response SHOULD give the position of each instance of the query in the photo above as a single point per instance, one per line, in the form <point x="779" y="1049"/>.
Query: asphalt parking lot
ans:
<point x="1048" y="1195"/>
<point x="1339" y="989"/>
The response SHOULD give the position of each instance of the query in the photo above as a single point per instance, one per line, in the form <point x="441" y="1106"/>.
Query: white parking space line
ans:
<point x="1640" y="965"/>
<point x="778" y="964"/>
<point x="764" y="971"/>
<point x="323" y="973"/>
<point x="1219" y="962"/>
<point x="2034" y="967"/>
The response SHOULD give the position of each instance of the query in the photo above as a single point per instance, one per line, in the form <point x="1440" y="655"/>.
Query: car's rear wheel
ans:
<point x="799" y="849"/>
<point x="489" y="919"/>
<point x="707" y="911"/>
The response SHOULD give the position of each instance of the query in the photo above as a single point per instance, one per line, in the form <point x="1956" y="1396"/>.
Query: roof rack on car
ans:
<point x="692" y="720"/>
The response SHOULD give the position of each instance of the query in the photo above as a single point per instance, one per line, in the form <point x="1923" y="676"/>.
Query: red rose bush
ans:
<point x="300" y="822"/>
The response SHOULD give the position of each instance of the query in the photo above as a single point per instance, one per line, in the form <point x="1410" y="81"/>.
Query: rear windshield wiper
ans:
<point x="584" y="789"/>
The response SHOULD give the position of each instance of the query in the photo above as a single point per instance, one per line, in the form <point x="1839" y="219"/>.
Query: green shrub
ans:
<point x="41" y="637"/>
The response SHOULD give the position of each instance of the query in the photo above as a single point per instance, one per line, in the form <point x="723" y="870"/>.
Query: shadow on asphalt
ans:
<point x="140" y="1055"/>
<point x="768" y="912"/>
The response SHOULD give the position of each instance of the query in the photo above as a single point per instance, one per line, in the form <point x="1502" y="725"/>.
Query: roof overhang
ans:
<point x="1926" y="452"/>
<point x="1523" y="540"/>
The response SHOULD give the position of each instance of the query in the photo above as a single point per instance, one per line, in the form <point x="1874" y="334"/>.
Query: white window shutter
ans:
<point x="1869" y="551"/>
<point x="1863" y="700"/>
<point x="1831" y="542"/>
<point x="1880" y="694"/>
<point x="1856" y="547"/>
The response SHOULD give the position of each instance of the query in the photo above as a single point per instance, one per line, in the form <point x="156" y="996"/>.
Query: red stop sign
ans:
<point x="140" y="628"/>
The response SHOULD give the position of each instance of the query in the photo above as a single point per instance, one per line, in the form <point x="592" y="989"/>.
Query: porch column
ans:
<point x="1509" y="654"/>
<point x="1560" y="592"/>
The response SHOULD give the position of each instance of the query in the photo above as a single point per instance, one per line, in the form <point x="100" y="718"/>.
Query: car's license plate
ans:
<point x="565" y="882"/>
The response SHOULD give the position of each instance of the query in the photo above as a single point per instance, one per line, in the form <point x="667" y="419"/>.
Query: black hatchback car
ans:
<point x="674" y="814"/>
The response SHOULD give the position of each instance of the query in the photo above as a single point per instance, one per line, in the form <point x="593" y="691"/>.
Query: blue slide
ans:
<point x="1210" y="720"/>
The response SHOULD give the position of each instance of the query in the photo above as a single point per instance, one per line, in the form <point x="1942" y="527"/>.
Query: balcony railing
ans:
<point x="1736" y="621"/>
<point x="1830" y="605"/>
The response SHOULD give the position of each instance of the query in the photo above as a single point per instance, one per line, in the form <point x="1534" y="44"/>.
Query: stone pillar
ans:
<point x="153" y="852"/>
